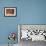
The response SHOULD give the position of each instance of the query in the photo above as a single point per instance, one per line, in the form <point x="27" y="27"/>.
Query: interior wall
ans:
<point x="28" y="12"/>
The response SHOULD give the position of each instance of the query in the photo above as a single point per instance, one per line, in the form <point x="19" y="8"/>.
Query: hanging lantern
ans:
<point x="12" y="36"/>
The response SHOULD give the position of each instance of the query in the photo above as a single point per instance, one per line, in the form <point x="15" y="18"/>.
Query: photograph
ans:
<point x="10" y="11"/>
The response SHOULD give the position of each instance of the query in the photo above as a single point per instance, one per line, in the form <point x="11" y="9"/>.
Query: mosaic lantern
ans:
<point x="11" y="37"/>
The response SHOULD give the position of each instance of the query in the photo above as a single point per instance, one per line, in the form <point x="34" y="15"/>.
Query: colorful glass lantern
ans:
<point x="12" y="36"/>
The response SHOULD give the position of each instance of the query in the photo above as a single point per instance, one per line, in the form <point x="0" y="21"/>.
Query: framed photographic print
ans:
<point x="10" y="11"/>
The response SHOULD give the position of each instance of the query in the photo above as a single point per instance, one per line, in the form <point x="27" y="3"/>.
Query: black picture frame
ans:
<point x="12" y="13"/>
